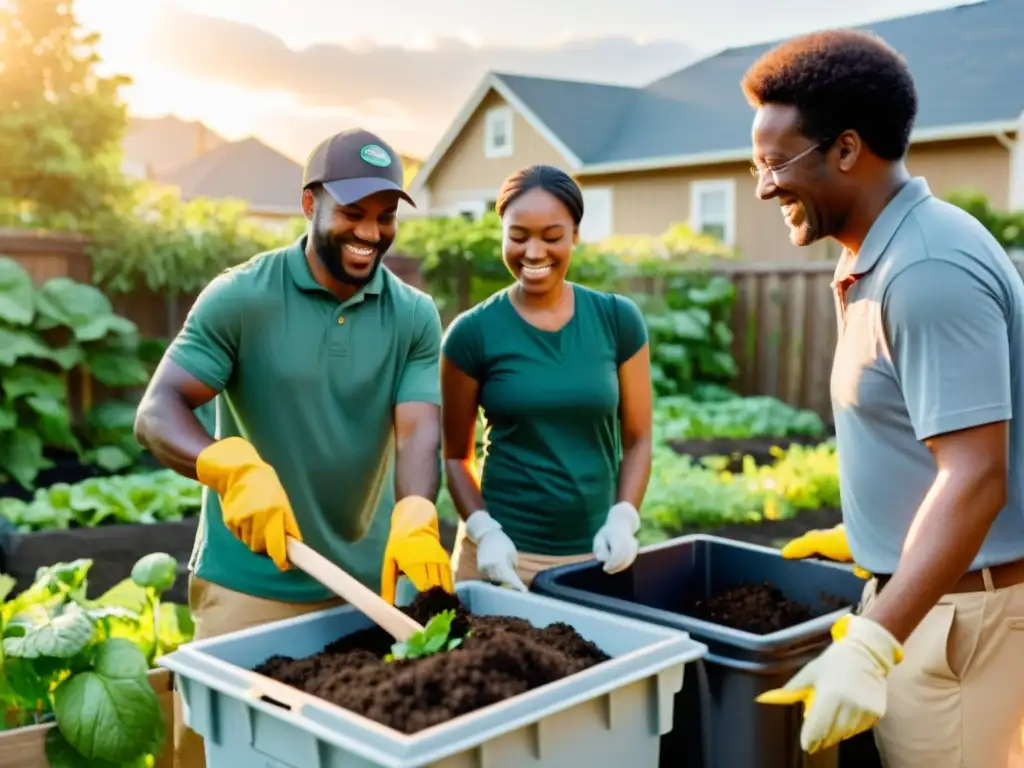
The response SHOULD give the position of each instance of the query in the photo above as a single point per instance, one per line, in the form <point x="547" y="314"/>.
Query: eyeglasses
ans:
<point x="757" y="171"/>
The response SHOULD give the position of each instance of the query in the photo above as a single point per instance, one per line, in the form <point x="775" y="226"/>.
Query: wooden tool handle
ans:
<point x="386" y="616"/>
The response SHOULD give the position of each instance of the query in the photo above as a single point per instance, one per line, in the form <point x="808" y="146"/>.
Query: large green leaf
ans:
<point x="81" y="307"/>
<point x="38" y="631"/>
<point x="21" y="455"/>
<point x="60" y="754"/>
<point x="110" y="712"/>
<point x="17" y="344"/>
<point x="21" y="380"/>
<point x="16" y="293"/>
<point x="6" y="586"/>
<point x="117" y="370"/>
<point x="54" y="422"/>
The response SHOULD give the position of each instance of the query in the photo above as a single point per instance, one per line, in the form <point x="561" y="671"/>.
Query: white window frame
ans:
<point x="697" y="191"/>
<point x="496" y="116"/>
<point x="607" y="228"/>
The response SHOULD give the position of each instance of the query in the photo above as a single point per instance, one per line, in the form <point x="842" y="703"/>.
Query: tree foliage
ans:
<point x="61" y="122"/>
<point x="154" y="240"/>
<point x="1006" y="227"/>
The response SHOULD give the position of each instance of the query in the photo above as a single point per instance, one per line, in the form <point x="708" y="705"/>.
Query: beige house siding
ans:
<point x="650" y="202"/>
<point x="466" y="174"/>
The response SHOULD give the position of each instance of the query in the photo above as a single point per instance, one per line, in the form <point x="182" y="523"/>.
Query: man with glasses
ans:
<point x="926" y="379"/>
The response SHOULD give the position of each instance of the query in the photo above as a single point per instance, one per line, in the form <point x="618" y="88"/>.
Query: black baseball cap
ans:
<point x="355" y="164"/>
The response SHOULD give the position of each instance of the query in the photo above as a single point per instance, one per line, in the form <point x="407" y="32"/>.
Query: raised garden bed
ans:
<point x="497" y="657"/>
<point x="761" y="449"/>
<point x="114" y="550"/>
<point x="535" y="682"/>
<point x="26" y="747"/>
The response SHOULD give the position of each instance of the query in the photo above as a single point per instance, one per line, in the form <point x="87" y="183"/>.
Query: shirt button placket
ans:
<point x="338" y="346"/>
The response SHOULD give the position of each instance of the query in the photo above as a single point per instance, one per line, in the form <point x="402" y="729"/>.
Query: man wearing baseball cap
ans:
<point x="326" y="367"/>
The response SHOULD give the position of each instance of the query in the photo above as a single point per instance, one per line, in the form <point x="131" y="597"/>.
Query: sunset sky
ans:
<point x="292" y="71"/>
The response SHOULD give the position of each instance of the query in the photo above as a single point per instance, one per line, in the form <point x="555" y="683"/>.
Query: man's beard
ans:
<point x="328" y="250"/>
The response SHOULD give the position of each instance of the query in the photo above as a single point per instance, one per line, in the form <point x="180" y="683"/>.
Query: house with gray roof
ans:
<point x="678" y="150"/>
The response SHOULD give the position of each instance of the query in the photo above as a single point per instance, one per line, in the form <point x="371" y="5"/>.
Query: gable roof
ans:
<point x="162" y="144"/>
<point x="966" y="60"/>
<point x="249" y="170"/>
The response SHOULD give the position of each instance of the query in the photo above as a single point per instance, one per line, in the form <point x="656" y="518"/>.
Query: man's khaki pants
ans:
<point x="957" y="699"/>
<point x="527" y="566"/>
<point x="218" y="611"/>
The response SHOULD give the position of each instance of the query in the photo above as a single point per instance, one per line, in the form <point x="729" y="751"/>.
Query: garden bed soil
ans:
<point x="760" y="448"/>
<point x="114" y="550"/>
<point x="501" y="657"/>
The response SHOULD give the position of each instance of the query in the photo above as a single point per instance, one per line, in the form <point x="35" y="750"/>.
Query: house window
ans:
<point x="471" y="210"/>
<point x="597" y="214"/>
<point x="498" y="132"/>
<point x="713" y="209"/>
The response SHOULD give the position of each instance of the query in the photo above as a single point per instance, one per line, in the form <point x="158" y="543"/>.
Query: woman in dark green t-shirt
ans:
<point x="562" y="373"/>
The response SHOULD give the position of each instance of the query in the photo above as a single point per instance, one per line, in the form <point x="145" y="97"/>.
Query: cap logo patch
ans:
<point x="375" y="155"/>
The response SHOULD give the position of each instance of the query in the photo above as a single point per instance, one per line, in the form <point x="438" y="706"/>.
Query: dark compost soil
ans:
<point x="757" y="608"/>
<point x="502" y="657"/>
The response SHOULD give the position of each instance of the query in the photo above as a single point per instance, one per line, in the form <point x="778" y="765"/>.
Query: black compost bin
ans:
<point x="740" y="665"/>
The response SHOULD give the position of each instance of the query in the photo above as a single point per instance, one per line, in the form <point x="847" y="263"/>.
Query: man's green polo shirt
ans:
<point x="312" y="383"/>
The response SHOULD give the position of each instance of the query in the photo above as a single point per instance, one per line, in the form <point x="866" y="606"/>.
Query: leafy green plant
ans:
<point x="1006" y="226"/>
<point x="434" y="638"/>
<point x="682" y="417"/>
<point x="80" y="663"/>
<point x="684" y="494"/>
<point x="47" y="335"/>
<point x="156" y="241"/>
<point x="690" y="337"/>
<point x="147" y="497"/>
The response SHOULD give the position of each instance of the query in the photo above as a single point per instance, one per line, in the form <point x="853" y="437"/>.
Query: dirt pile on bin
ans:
<point x="500" y="658"/>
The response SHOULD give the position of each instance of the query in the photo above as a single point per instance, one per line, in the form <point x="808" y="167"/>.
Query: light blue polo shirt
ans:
<point x="932" y="342"/>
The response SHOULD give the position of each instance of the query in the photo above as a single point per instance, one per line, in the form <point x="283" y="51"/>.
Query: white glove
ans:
<point x="843" y="690"/>
<point x="615" y="544"/>
<point x="496" y="555"/>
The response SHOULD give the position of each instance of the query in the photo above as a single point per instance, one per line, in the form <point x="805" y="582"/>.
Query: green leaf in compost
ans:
<point x="39" y="631"/>
<point x="110" y="712"/>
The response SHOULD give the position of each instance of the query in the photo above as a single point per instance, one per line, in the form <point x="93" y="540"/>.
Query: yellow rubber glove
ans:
<point x="829" y="542"/>
<point x="843" y="690"/>
<point x="254" y="504"/>
<point x="414" y="548"/>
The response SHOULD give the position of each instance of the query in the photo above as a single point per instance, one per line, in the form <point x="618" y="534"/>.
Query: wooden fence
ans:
<point x="783" y="323"/>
